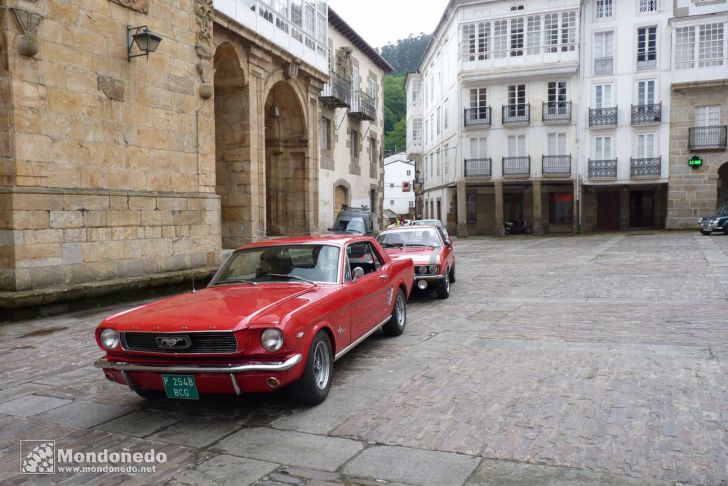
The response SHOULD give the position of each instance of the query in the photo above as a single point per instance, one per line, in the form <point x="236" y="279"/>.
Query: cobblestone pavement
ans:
<point x="577" y="360"/>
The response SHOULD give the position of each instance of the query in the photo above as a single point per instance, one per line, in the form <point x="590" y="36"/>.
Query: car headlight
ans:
<point x="700" y="220"/>
<point x="271" y="339"/>
<point x="422" y="270"/>
<point x="433" y="269"/>
<point x="109" y="338"/>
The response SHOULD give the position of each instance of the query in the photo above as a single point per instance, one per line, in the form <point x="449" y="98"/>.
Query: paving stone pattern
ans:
<point x="558" y="361"/>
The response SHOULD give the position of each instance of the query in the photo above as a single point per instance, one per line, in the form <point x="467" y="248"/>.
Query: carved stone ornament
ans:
<point x="343" y="62"/>
<point x="203" y="13"/>
<point x="27" y="43"/>
<point x="138" y="5"/>
<point x="292" y="71"/>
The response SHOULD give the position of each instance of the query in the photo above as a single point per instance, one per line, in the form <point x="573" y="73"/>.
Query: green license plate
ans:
<point x="180" y="387"/>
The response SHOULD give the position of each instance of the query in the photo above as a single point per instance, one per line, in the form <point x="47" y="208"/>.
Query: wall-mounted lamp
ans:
<point x="145" y="40"/>
<point x="275" y="112"/>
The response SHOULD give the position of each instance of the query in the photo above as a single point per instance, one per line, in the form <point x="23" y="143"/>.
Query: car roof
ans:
<point x="332" y="239"/>
<point x="410" y="228"/>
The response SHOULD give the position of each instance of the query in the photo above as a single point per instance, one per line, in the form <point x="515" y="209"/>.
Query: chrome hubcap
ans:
<point x="321" y="365"/>
<point x="401" y="311"/>
<point x="447" y="282"/>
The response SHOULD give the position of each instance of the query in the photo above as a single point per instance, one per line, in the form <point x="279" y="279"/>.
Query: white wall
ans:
<point x="398" y="170"/>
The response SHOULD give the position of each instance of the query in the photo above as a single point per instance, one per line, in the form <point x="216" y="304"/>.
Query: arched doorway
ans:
<point x="722" y="184"/>
<point x="341" y="198"/>
<point x="232" y="148"/>
<point x="286" y="174"/>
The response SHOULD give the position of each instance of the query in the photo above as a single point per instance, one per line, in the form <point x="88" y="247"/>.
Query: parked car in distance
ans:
<point x="716" y="222"/>
<point x="358" y="221"/>
<point x="431" y="253"/>
<point x="431" y="222"/>
<point x="275" y="315"/>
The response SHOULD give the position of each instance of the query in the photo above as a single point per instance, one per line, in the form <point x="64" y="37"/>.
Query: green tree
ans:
<point x="405" y="54"/>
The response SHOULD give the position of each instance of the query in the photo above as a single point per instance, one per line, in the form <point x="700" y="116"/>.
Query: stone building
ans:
<point x="352" y="124"/>
<point x="115" y="167"/>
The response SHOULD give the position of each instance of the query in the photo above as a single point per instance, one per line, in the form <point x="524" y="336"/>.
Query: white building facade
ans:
<point x="399" y="177"/>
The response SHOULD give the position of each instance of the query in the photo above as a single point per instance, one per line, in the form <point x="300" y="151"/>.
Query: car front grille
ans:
<point x="200" y="342"/>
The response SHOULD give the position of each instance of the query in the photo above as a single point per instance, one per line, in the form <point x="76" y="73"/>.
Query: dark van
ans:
<point x="358" y="221"/>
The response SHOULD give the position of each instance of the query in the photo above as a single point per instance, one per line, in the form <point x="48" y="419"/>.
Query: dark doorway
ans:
<point x="722" y="185"/>
<point x="608" y="211"/>
<point x="641" y="209"/>
<point x="439" y="210"/>
<point x="512" y="207"/>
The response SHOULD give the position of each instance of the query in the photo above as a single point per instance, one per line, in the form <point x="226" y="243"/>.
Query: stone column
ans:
<point x="537" y="216"/>
<point x="498" y="230"/>
<point x="624" y="209"/>
<point x="462" y="209"/>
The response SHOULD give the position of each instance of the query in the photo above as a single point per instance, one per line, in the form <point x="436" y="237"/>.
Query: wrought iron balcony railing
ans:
<point x="646" y="114"/>
<point x="603" y="65"/>
<point x="556" y="112"/>
<point x="603" y="117"/>
<point x="337" y="91"/>
<point x="647" y="64"/>
<point x="363" y="106"/>
<point x="479" y="167"/>
<point x="518" y="113"/>
<point x="517" y="166"/>
<point x="556" y="165"/>
<point x="603" y="169"/>
<point x="478" y="117"/>
<point x="645" y="167"/>
<point x="707" y="138"/>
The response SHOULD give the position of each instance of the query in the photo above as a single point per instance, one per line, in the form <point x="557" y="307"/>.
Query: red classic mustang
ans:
<point x="277" y="314"/>
<point x="429" y="249"/>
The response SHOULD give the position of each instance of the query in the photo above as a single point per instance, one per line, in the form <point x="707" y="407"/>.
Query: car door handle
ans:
<point x="383" y="277"/>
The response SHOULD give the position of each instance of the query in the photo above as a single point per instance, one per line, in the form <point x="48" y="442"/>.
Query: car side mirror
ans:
<point x="448" y="243"/>
<point x="358" y="273"/>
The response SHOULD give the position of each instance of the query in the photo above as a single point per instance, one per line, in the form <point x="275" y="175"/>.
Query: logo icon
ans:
<point x="37" y="457"/>
<point x="173" y="342"/>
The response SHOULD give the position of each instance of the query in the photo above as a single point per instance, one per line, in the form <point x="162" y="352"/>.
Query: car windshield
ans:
<point x="356" y="225"/>
<point x="410" y="237"/>
<point x="722" y="210"/>
<point x="423" y="222"/>
<point x="294" y="263"/>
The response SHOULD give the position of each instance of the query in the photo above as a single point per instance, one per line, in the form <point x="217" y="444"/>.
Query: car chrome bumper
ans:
<point x="429" y="277"/>
<point x="266" y="367"/>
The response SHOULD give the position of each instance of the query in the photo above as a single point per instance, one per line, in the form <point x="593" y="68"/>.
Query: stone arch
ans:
<point x="232" y="147"/>
<point x="279" y="77"/>
<point x="342" y="195"/>
<point x="286" y="161"/>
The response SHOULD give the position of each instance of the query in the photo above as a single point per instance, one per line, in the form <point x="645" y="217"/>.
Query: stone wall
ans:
<point x="693" y="192"/>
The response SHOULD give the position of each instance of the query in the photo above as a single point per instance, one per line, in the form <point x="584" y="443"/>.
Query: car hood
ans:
<point x="227" y="308"/>
<point x="715" y="216"/>
<point x="418" y="255"/>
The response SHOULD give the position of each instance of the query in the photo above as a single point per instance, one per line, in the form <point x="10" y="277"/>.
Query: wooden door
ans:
<point x="341" y="199"/>
<point x="512" y="207"/>
<point x="608" y="211"/>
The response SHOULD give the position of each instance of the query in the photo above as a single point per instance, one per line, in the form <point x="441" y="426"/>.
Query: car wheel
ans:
<point x="152" y="395"/>
<point x="706" y="233"/>
<point x="395" y="325"/>
<point x="443" y="289"/>
<point x="313" y="387"/>
<point x="452" y="274"/>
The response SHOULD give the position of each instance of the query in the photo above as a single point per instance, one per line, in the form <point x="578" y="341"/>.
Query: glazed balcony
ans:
<point x="556" y="165"/>
<point x="708" y="138"/>
<point x="478" y="117"/>
<point x="479" y="167"/>
<point x="645" y="167"/>
<point x="603" y="117"/>
<point x="363" y="106"/>
<point x="518" y="114"/>
<point x="337" y="92"/>
<point x="556" y="112"/>
<point x="646" y="114"/>
<point x="603" y="169"/>
<point x="603" y="65"/>
<point x="516" y="166"/>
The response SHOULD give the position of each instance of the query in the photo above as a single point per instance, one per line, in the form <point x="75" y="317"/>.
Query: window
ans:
<point x="427" y="129"/>
<point x="438" y="161"/>
<point x="476" y="39"/>
<point x="325" y="134"/>
<point x="603" y="96"/>
<point x="444" y="114"/>
<point x="707" y="116"/>
<point x="373" y="89"/>
<point x="478" y="148"/>
<point x="432" y="127"/>
<point x="603" y="52"/>
<point x="557" y="92"/>
<point x="710" y="51"/>
<point x="354" y="144"/>
<point x="533" y="35"/>
<point x="417" y="129"/>
<point x="416" y="92"/>
<point x="478" y="99"/>
<point x="685" y="47"/>
<point x="517" y="37"/>
<point x="517" y="146"/>
<point x="604" y="9"/>
<point x="648" y="5"/>
<point x="391" y="202"/>
<point x="556" y="144"/>
<point x="391" y="185"/>
<point x="445" y="162"/>
<point x="439" y="117"/>
<point x="646" y="92"/>
<point x="646" y="48"/>
<point x="372" y="151"/>
<point x="568" y="31"/>
<point x="517" y="100"/>
<point x="515" y="8"/>
<point x="551" y="32"/>
<point x="411" y="204"/>
<point x="500" y="38"/>
<point x="603" y="147"/>
<point x="472" y="209"/>
<point x="561" y="208"/>
<point x="645" y="146"/>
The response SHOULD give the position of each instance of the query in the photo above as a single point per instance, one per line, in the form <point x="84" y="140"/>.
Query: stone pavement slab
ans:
<point x="30" y="405"/>
<point x="141" y="423"/>
<point x="83" y="414"/>
<point x="196" y="432"/>
<point x="223" y="470"/>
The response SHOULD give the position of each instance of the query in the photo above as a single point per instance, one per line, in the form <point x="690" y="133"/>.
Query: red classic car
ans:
<point x="429" y="249"/>
<point x="276" y="314"/>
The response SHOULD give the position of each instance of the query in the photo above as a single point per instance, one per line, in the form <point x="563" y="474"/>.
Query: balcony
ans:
<point x="556" y="165"/>
<point x="647" y="64"/>
<point x="603" y="65"/>
<point x="337" y="92"/>
<point x="603" y="117"/>
<point x="707" y="138"/>
<point x="518" y="114"/>
<point x="516" y="166"/>
<point x="363" y="106"/>
<point x="603" y="169"/>
<point x="556" y="112"/>
<point x="645" y="167"/>
<point x="646" y="114"/>
<point x="478" y="117"/>
<point x="479" y="167"/>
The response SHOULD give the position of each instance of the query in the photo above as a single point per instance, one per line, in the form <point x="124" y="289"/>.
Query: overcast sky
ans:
<point x="383" y="21"/>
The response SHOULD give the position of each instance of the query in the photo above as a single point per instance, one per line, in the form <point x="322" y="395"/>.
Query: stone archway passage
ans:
<point x="722" y="184"/>
<point x="286" y="172"/>
<point x="232" y="148"/>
